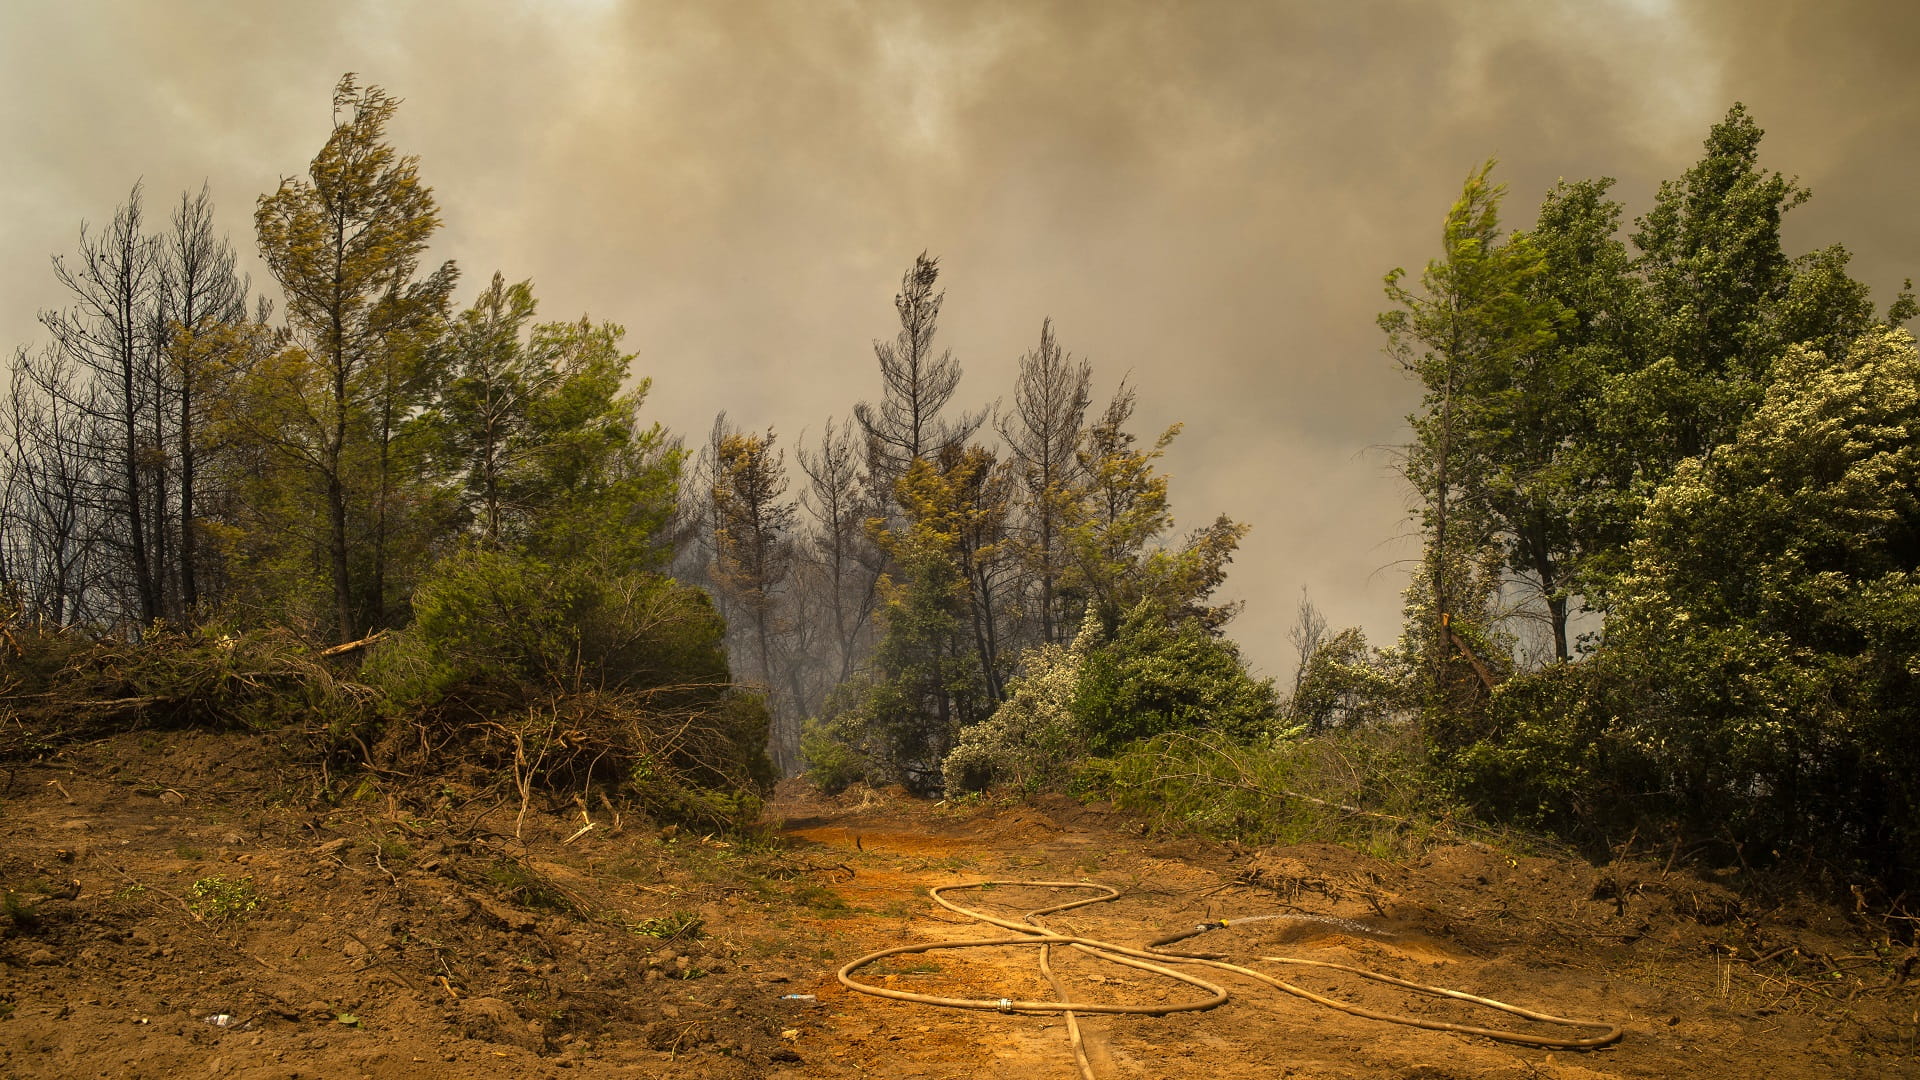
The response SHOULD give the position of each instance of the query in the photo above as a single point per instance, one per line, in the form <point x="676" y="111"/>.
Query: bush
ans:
<point x="573" y="678"/>
<point x="1368" y="788"/>
<point x="1761" y="669"/>
<point x="1034" y="738"/>
<point x="835" y="744"/>
<point x="1343" y="683"/>
<point x="1154" y="676"/>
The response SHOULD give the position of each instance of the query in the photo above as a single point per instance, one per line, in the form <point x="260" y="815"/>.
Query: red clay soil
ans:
<point x="156" y="884"/>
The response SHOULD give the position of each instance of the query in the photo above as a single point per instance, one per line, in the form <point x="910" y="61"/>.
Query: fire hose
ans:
<point x="1030" y="933"/>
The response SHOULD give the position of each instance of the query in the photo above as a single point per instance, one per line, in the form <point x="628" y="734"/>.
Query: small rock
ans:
<point x="332" y="846"/>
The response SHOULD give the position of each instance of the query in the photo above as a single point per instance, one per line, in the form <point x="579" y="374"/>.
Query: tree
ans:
<point x="979" y="494"/>
<point x="1766" y="631"/>
<point x="753" y="547"/>
<point x="1043" y="431"/>
<point x="345" y="246"/>
<point x="108" y="338"/>
<point x="1724" y="300"/>
<point x="483" y="408"/>
<point x="1475" y="321"/>
<point x="849" y="566"/>
<point x="1563" y="485"/>
<point x="592" y="481"/>
<point x="915" y="383"/>
<point x="203" y="316"/>
<point x="1114" y="517"/>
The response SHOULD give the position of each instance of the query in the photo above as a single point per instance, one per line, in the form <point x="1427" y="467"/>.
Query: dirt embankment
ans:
<point x="176" y="907"/>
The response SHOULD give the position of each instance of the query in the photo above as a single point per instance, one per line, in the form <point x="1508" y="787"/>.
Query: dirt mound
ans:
<point x="176" y="905"/>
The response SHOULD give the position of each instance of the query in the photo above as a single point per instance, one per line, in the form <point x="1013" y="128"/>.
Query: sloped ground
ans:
<point x="160" y="882"/>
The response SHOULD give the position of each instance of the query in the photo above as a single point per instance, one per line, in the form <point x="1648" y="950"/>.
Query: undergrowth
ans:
<point x="1368" y="789"/>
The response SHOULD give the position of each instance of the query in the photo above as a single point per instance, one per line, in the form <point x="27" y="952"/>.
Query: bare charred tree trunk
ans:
<point x="107" y="334"/>
<point x="850" y="564"/>
<point x="916" y="384"/>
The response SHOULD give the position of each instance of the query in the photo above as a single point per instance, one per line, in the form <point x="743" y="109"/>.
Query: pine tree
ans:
<point x="345" y="246"/>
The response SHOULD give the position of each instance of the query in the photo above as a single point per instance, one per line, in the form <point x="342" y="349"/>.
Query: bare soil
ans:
<point x="179" y="905"/>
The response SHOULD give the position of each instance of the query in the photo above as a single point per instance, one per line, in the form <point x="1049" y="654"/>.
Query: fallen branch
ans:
<point x="352" y="646"/>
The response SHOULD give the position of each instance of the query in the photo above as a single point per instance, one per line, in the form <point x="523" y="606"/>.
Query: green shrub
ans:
<point x="1034" y="738"/>
<point x="834" y="745"/>
<point x="1369" y="788"/>
<point x="1155" y="676"/>
<point x="1759" y="678"/>
<point x="572" y="676"/>
<point x="219" y="899"/>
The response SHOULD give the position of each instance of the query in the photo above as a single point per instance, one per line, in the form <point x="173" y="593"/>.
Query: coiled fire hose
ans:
<point x="1149" y="958"/>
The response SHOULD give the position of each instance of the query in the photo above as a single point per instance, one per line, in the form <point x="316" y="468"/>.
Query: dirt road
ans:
<point x="1556" y="936"/>
<point x="179" y="905"/>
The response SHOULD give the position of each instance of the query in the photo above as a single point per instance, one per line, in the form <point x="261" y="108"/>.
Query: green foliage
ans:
<point x="20" y="913"/>
<point x="1471" y="336"/>
<point x="1115" y="516"/>
<point x="1343" y="684"/>
<point x="620" y="680"/>
<point x="1152" y="675"/>
<point x="221" y="900"/>
<point x="839" y="745"/>
<point x="927" y="684"/>
<point x="335" y="416"/>
<point x="1034" y="738"/>
<point x="1774" y="591"/>
<point x="1759" y="676"/>
<point x="1156" y="676"/>
<point x="1368" y="789"/>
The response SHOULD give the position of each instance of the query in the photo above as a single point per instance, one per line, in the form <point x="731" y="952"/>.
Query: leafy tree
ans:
<point x="1115" y="517"/>
<point x="1722" y="301"/>
<point x="593" y="482"/>
<point x="345" y="246"/>
<point x="1156" y="674"/>
<point x="1341" y="684"/>
<point x="1551" y="488"/>
<point x="927" y="682"/>
<point x="1475" y="321"/>
<point x="1773" y="597"/>
<point x="979" y="488"/>
<point x="483" y="408"/>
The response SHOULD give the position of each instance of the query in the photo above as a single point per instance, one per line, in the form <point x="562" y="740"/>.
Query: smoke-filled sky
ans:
<point x="1203" y="196"/>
